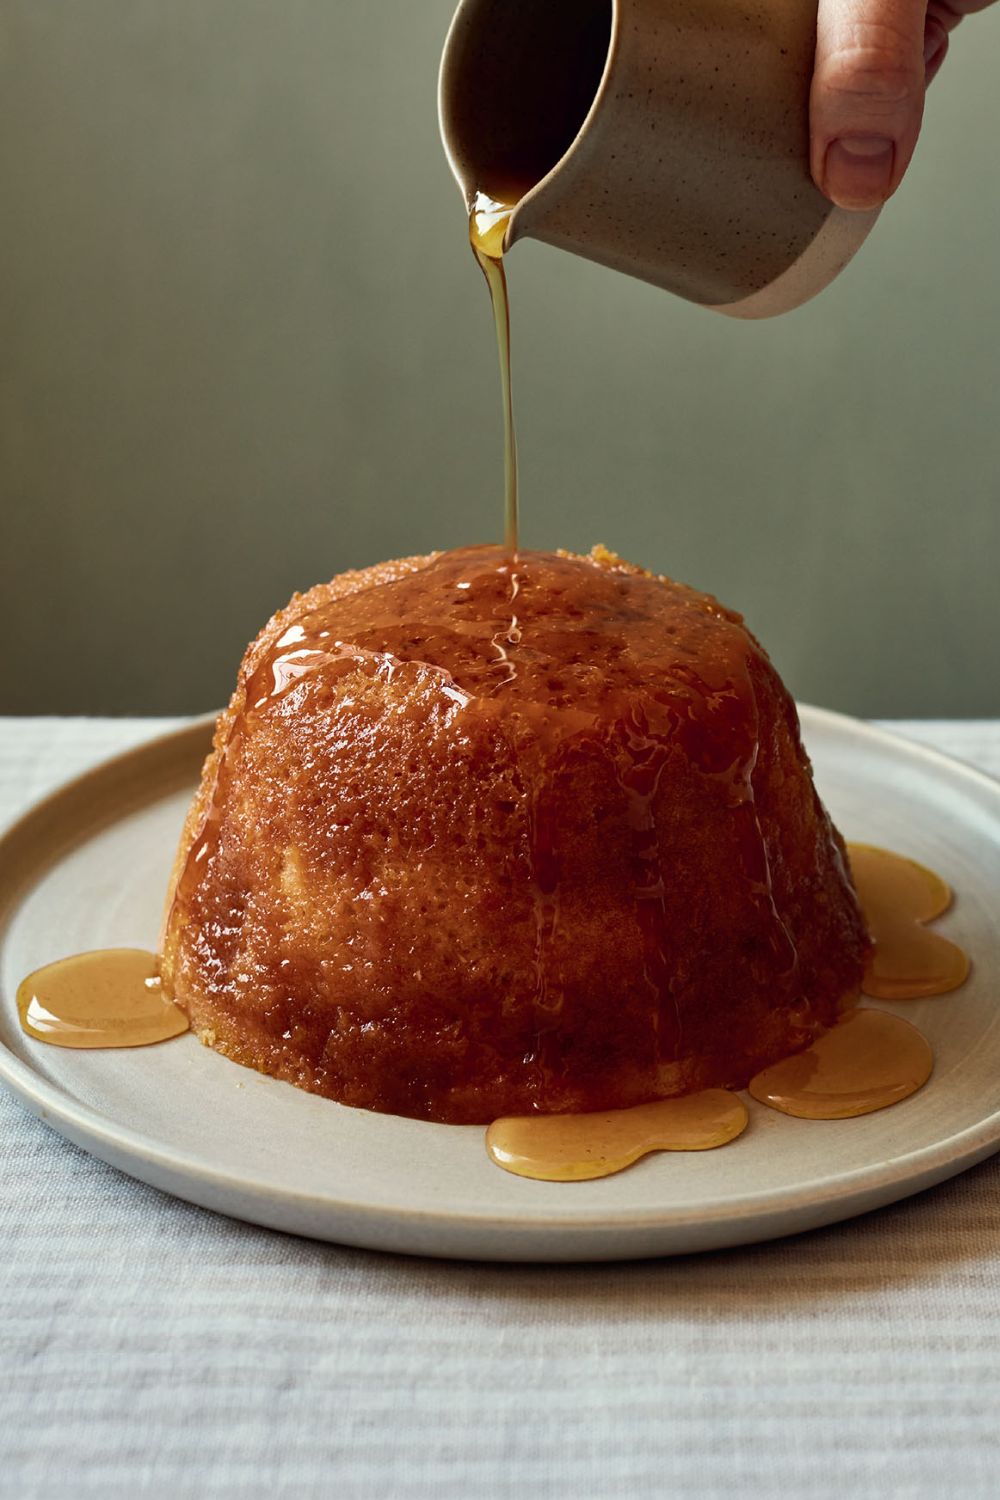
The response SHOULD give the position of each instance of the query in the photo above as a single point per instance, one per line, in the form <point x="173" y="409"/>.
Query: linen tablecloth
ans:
<point x="151" y="1348"/>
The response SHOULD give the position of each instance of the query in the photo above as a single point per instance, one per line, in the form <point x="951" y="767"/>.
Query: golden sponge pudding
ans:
<point x="483" y="836"/>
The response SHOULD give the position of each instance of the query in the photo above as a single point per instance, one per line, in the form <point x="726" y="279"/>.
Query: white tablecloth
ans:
<point x="152" y="1348"/>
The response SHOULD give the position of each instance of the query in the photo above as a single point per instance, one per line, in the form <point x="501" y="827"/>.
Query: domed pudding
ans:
<point x="483" y="836"/>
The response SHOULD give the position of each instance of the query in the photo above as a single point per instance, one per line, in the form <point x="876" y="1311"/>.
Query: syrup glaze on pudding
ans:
<point x="485" y="836"/>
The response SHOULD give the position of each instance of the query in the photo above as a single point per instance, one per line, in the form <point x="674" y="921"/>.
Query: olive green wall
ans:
<point x="243" y="346"/>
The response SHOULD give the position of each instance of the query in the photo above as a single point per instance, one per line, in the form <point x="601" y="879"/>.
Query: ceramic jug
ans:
<point x="665" y="138"/>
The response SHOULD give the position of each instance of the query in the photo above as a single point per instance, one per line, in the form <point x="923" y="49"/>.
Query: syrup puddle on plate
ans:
<point x="868" y="1061"/>
<point x="108" y="998"/>
<point x="898" y="896"/>
<point x="574" y="1148"/>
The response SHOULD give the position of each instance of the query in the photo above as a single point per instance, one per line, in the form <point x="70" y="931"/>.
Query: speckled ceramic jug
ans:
<point x="665" y="138"/>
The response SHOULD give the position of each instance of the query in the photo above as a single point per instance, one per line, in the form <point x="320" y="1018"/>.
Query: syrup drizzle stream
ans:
<point x="488" y="221"/>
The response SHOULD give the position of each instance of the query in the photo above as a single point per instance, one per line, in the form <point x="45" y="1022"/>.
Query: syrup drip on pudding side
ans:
<point x="575" y="1148"/>
<point x="108" y="998"/>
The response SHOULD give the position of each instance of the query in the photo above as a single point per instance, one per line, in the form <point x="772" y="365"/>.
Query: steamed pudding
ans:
<point x="482" y="836"/>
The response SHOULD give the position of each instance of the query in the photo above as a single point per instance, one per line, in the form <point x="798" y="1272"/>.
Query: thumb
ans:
<point x="867" y="97"/>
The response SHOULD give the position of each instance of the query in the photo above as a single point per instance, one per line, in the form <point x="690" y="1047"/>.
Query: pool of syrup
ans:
<point x="574" y="1148"/>
<point x="899" y="897"/>
<point x="869" y="1060"/>
<point x="110" y="997"/>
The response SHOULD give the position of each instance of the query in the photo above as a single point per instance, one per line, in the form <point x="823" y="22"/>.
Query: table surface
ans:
<point x="148" y="1347"/>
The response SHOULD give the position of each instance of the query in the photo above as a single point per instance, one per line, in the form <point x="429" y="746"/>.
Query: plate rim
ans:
<point x="115" y="1143"/>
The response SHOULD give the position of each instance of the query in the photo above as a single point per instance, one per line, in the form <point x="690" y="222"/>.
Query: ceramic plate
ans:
<point x="88" y="868"/>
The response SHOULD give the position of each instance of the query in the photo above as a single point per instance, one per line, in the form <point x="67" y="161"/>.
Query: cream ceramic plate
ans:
<point x="88" y="868"/>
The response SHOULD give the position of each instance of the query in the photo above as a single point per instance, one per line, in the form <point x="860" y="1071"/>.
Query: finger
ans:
<point x="867" y="97"/>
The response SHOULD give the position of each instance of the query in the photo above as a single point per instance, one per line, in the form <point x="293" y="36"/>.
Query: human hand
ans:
<point x="874" y="58"/>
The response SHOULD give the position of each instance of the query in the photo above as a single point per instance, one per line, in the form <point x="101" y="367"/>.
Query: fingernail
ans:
<point x="857" y="172"/>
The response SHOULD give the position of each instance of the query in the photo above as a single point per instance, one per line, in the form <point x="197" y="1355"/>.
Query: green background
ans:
<point x="243" y="346"/>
